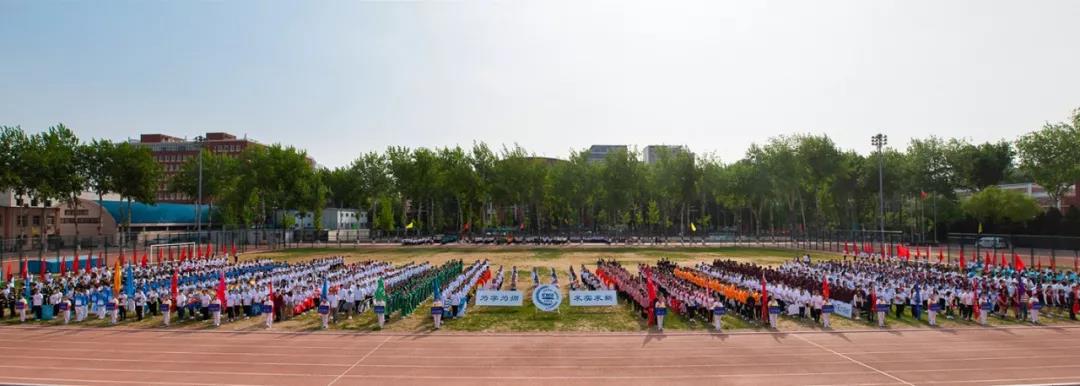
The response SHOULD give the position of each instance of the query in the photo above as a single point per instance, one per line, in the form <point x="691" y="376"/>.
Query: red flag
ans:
<point x="221" y="290"/>
<point x="63" y="265"/>
<point x="209" y="251"/>
<point x="1003" y="262"/>
<point x="41" y="268"/>
<point x="121" y="261"/>
<point x="1039" y="264"/>
<point x="988" y="262"/>
<point x="467" y="226"/>
<point x="25" y="269"/>
<point x="200" y="252"/>
<point x="845" y="248"/>
<point x="961" y="260"/>
<point x="976" y="306"/>
<point x="222" y="249"/>
<point x="145" y="259"/>
<point x="10" y="273"/>
<point x="922" y="195"/>
<point x="1053" y="263"/>
<point x="1076" y="301"/>
<point x="1018" y="262"/>
<point x="173" y="286"/>
<point x="90" y="261"/>
<point x="234" y="249"/>
<point x="651" y="290"/>
<point x="940" y="256"/>
<point x="825" y="288"/>
<point x="764" y="298"/>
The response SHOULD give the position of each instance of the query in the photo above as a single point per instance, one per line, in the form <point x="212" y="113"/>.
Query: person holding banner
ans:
<point x="114" y="310"/>
<point x="882" y="307"/>
<point x="718" y="312"/>
<point x="826" y="312"/>
<point x="215" y="310"/>
<point x="65" y="309"/>
<point x="166" y="310"/>
<point x="80" y="305"/>
<point x="1033" y="307"/>
<point x="774" y="309"/>
<point x="437" y="313"/>
<point x="268" y="309"/>
<point x="21" y="306"/>
<point x="933" y="307"/>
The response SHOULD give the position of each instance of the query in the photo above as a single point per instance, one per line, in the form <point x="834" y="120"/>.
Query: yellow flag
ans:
<point x="409" y="225"/>
<point x="116" y="279"/>
<point x="980" y="227"/>
<point x="693" y="228"/>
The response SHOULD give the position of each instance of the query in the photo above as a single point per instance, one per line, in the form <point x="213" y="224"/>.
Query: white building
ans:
<point x="332" y="219"/>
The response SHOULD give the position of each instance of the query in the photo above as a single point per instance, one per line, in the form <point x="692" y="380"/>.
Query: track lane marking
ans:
<point x="358" y="362"/>
<point x="853" y="360"/>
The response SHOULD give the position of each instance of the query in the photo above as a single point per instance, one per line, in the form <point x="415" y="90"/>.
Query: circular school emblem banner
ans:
<point x="547" y="297"/>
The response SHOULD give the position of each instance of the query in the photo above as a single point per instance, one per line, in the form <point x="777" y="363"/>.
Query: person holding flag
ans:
<point x="219" y="301"/>
<point x="268" y="305"/>
<point x="437" y="308"/>
<point x="380" y="302"/>
<point x="65" y="309"/>
<point x="324" y="306"/>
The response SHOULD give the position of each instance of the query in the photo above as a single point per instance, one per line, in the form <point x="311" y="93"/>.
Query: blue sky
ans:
<point x="342" y="78"/>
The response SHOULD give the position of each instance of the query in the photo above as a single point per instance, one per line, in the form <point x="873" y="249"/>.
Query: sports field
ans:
<point x="620" y="318"/>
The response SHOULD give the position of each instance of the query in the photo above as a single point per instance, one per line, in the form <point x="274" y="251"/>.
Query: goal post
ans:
<point x="175" y="248"/>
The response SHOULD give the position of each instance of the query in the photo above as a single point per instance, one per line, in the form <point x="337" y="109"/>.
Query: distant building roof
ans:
<point x="162" y="213"/>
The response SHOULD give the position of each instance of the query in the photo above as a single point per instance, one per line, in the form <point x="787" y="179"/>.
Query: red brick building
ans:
<point x="172" y="152"/>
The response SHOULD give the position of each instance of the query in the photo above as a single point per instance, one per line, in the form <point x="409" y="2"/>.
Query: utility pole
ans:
<point x="198" y="198"/>
<point x="879" y="140"/>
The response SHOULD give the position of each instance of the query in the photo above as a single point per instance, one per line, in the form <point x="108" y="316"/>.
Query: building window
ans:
<point x="36" y="220"/>
<point x="72" y="212"/>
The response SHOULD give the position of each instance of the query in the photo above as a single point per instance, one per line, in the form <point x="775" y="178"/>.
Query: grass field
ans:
<point x="527" y="318"/>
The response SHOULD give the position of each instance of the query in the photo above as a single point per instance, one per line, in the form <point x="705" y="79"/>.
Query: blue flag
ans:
<point x="129" y="282"/>
<point x="326" y="288"/>
<point x="26" y="286"/>
<point x="436" y="285"/>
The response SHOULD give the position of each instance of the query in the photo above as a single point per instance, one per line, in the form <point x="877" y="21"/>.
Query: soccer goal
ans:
<point x="174" y="251"/>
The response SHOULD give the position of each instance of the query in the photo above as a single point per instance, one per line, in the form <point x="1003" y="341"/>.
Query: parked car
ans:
<point x="992" y="242"/>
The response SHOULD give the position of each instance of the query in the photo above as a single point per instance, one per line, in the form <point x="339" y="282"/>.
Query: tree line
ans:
<point x="55" y="166"/>
<point x="794" y="183"/>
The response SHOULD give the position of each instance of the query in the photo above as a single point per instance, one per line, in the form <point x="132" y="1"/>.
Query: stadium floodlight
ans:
<point x="880" y="140"/>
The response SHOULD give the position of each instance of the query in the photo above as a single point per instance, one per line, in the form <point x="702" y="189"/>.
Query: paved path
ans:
<point x="53" y="355"/>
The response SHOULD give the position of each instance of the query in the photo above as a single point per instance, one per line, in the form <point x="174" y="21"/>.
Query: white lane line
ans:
<point x="53" y="382"/>
<point x="358" y="362"/>
<point x="853" y="360"/>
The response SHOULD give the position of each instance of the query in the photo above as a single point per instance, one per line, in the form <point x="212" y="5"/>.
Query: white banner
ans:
<point x="499" y="298"/>
<point x="593" y="298"/>
<point x="841" y="308"/>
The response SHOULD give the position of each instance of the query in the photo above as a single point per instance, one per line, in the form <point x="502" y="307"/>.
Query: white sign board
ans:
<point x="499" y="298"/>
<point x="593" y="298"/>
<point x="841" y="308"/>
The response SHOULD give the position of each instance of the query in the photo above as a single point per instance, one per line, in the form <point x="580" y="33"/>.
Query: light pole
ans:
<point x="879" y="140"/>
<point x="198" y="198"/>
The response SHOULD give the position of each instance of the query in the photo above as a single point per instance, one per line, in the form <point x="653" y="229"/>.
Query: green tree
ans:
<point x="136" y="176"/>
<point x="1051" y="156"/>
<point x="993" y="205"/>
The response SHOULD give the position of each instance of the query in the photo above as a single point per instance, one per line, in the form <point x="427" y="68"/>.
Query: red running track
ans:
<point x="79" y="356"/>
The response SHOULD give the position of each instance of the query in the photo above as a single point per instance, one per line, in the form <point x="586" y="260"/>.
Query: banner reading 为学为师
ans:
<point x="593" y="298"/>
<point x="499" y="298"/>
